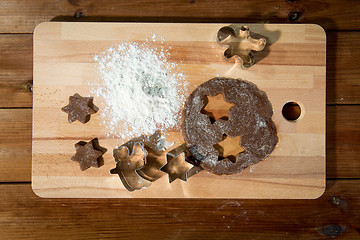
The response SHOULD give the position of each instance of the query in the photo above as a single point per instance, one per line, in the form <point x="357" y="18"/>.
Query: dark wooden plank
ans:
<point x="342" y="141"/>
<point x="343" y="69"/>
<point x="15" y="145"/>
<point x="19" y="16"/>
<point x="343" y="148"/>
<point x="23" y="215"/>
<point x="15" y="70"/>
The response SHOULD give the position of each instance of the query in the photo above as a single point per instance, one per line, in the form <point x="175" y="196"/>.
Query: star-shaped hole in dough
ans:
<point x="126" y="165"/>
<point x="240" y="45"/>
<point x="229" y="148"/>
<point x="89" y="154"/>
<point x="216" y="107"/>
<point x="80" y="108"/>
<point x="177" y="167"/>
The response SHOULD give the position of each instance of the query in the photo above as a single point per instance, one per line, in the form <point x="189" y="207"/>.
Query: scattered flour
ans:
<point x="141" y="89"/>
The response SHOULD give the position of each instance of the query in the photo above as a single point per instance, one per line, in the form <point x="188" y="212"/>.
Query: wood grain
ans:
<point x="22" y="44"/>
<point x="342" y="148"/>
<point x="18" y="16"/>
<point x="24" y="215"/>
<point x="342" y="69"/>
<point x="342" y="139"/>
<point x="63" y="52"/>
<point x="15" y="70"/>
<point x="15" y="145"/>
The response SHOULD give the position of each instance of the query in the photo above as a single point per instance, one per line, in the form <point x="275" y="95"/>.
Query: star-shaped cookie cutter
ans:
<point x="239" y="45"/>
<point x="178" y="165"/>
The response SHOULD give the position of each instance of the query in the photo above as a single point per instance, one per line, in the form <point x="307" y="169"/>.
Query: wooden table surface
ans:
<point x="336" y="214"/>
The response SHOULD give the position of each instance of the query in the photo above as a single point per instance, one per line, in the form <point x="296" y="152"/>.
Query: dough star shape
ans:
<point x="217" y="107"/>
<point x="126" y="165"/>
<point x="87" y="156"/>
<point x="240" y="45"/>
<point x="80" y="108"/>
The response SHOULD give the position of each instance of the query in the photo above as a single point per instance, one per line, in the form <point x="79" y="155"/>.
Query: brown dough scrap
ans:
<point x="89" y="154"/>
<point x="250" y="118"/>
<point x="126" y="165"/>
<point x="80" y="108"/>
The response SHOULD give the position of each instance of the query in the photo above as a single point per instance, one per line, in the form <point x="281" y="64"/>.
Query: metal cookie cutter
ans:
<point x="155" y="145"/>
<point x="180" y="164"/>
<point x="239" y="45"/>
<point x="127" y="162"/>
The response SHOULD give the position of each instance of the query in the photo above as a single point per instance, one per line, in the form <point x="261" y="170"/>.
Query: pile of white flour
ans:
<point x="141" y="89"/>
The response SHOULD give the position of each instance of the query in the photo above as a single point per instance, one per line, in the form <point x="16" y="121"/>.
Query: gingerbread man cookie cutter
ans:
<point x="239" y="45"/>
<point x="127" y="162"/>
<point x="145" y="159"/>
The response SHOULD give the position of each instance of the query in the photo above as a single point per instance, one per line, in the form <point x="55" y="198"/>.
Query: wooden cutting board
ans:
<point x="290" y="69"/>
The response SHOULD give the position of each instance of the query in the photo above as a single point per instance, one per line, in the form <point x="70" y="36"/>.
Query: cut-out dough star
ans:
<point x="217" y="107"/>
<point x="127" y="165"/>
<point x="176" y="166"/>
<point x="86" y="155"/>
<point x="229" y="148"/>
<point x="80" y="108"/>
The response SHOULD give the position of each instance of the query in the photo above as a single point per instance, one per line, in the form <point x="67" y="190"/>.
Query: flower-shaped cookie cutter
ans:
<point x="239" y="45"/>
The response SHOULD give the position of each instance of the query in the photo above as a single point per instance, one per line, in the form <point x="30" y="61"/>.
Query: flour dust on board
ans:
<point x="142" y="90"/>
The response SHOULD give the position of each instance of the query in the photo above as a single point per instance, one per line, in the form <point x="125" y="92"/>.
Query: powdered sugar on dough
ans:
<point x="141" y="89"/>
